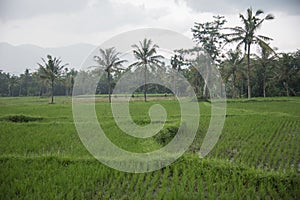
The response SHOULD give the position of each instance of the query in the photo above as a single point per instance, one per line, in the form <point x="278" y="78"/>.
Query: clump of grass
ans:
<point x="21" y="118"/>
<point x="166" y="134"/>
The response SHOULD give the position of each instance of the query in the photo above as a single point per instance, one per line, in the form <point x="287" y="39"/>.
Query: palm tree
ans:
<point x="177" y="62"/>
<point x="69" y="79"/>
<point x="286" y="71"/>
<point x="110" y="61"/>
<point x="146" y="57"/>
<point x="50" y="71"/>
<point x="247" y="36"/>
<point x="231" y="69"/>
<point x="12" y="82"/>
<point x="265" y="60"/>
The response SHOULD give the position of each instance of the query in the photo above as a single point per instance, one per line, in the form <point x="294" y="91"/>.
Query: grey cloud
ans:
<point x="104" y="15"/>
<point x="16" y="9"/>
<point x="231" y="6"/>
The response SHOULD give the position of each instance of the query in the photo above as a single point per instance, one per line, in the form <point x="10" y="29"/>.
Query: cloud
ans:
<point x="232" y="6"/>
<point x="64" y="22"/>
<point x="20" y="9"/>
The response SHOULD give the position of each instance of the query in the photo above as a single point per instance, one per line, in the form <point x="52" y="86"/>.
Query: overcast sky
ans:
<point x="63" y="22"/>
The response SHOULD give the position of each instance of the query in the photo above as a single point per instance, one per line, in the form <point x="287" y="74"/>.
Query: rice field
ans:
<point x="257" y="156"/>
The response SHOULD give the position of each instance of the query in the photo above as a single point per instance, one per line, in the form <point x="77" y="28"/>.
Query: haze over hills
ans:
<point x="15" y="59"/>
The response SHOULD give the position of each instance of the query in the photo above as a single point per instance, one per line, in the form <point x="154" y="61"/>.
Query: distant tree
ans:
<point x="247" y="36"/>
<point x="231" y="69"/>
<point x="177" y="61"/>
<point x="145" y="53"/>
<point x="25" y="80"/>
<point x="110" y="61"/>
<point x="265" y="61"/>
<point x="194" y="78"/>
<point x="12" y="82"/>
<point x="209" y="36"/>
<point x="51" y="70"/>
<point x="288" y="70"/>
<point x="69" y="79"/>
<point x="3" y="84"/>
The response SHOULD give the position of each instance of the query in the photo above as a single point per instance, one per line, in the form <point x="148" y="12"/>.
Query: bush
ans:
<point x="21" y="118"/>
<point x="166" y="134"/>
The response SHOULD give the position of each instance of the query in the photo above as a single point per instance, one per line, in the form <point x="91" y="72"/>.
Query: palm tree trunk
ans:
<point x="9" y="91"/>
<point x="234" y="86"/>
<point x="264" y="86"/>
<point x="221" y="88"/>
<point x="207" y="78"/>
<point x="145" y="83"/>
<point x="20" y="90"/>
<point x="248" y="72"/>
<point x="52" y="91"/>
<point x="286" y="89"/>
<point x="174" y="85"/>
<point x="108" y="81"/>
<point x="242" y="88"/>
<point x="67" y="90"/>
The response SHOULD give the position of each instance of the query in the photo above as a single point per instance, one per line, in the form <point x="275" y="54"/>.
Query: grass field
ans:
<point x="257" y="156"/>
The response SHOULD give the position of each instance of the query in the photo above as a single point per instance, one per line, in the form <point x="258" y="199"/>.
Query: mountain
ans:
<point x="15" y="59"/>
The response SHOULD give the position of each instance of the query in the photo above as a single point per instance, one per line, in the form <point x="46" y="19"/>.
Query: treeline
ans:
<point x="267" y="72"/>
<point x="271" y="76"/>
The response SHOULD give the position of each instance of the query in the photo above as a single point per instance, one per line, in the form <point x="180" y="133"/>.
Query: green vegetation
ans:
<point x="109" y="61"/>
<point x="146" y="57"/>
<point x="50" y="71"/>
<point x="257" y="155"/>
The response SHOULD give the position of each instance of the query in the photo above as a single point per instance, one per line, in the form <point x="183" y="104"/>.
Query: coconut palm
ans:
<point x="50" y="71"/>
<point x="69" y="80"/>
<point x="145" y="53"/>
<point x="177" y="62"/>
<point x="286" y="71"/>
<point x="110" y="61"/>
<point x="247" y="36"/>
<point x="265" y="60"/>
<point x="12" y="82"/>
<point x="231" y="69"/>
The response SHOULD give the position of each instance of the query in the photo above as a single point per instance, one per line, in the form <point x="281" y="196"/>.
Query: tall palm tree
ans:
<point x="247" y="36"/>
<point x="146" y="57"/>
<point x="50" y="71"/>
<point x="110" y="61"/>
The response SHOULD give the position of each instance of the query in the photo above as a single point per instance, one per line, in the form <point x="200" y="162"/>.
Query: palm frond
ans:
<point x="270" y="17"/>
<point x="264" y="38"/>
<point x="258" y="12"/>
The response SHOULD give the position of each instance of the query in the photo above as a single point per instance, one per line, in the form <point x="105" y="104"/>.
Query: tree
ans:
<point x="25" y="80"/>
<point x="247" y="36"/>
<point x="266" y="62"/>
<point x="146" y="57"/>
<point x="288" y="70"/>
<point x="231" y="69"/>
<point x="177" y="62"/>
<point x="69" y="79"/>
<point x="110" y="61"/>
<point x="12" y="82"/>
<point x="3" y="84"/>
<point x="50" y="71"/>
<point x="209" y="36"/>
